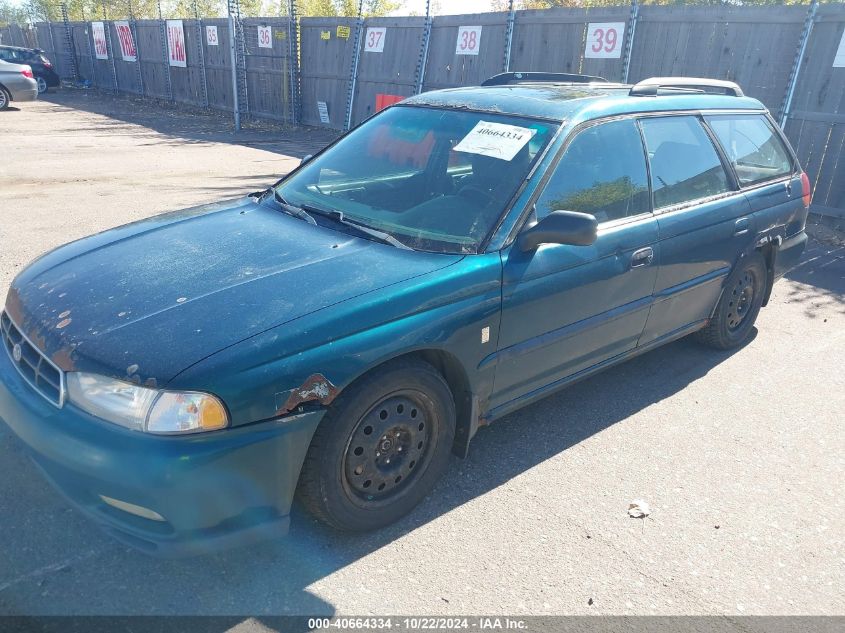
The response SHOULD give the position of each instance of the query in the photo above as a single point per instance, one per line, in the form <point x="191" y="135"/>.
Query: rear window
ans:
<point x="753" y="146"/>
<point x="684" y="163"/>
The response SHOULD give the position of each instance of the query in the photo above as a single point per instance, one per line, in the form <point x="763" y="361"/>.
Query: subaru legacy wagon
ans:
<point x="336" y="337"/>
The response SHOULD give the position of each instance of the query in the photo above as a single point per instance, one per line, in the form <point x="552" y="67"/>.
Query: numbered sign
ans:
<point x="211" y="36"/>
<point x="323" y="111"/>
<point x="604" y="39"/>
<point x="374" y="40"/>
<point x="265" y="37"/>
<point x="127" y="42"/>
<point x="98" y="31"/>
<point x="839" y="60"/>
<point x="469" y="39"/>
<point x="176" y="54"/>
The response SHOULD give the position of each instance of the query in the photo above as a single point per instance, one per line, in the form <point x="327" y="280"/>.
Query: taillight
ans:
<point x="27" y="72"/>
<point x="806" y="192"/>
<point x="47" y="63"/>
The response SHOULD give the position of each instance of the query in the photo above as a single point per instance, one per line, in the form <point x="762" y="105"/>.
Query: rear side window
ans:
<point x="754" y="148"/>
<point x="603" y="172"/>
<point x="684" y="163"/>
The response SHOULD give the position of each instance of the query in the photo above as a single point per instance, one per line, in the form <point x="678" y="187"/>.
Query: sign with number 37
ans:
<point x="374" y="39"/>
<point x="604" y="40"/>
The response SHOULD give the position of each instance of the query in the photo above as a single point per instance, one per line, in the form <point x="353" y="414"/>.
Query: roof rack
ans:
<point x="504" y="79"/>
<point x="650" y="87"/>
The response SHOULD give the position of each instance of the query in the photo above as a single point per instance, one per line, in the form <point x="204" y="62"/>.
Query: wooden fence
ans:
<point x="344" y="64"/>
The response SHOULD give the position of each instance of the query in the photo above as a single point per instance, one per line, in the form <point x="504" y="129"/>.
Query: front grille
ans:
<point x="47" y="379"/>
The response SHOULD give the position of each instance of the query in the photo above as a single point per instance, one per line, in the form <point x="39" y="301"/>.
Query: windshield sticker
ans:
<point x="497" y="140"/>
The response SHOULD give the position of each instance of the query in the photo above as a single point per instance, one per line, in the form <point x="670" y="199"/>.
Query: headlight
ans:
<point x="143" y="409"/>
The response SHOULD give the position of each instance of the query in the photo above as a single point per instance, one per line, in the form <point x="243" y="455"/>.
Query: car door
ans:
<point x="568" y="308"/>
<point x="705" y="223"/>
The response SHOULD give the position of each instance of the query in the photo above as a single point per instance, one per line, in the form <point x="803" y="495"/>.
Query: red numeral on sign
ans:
<point x="468" y="40"/>
<point x="604" y="40"/>
<point x="374" y="39"/>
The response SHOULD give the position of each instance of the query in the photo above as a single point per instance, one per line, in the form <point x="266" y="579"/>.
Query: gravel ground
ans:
<point x="740" y="455"/>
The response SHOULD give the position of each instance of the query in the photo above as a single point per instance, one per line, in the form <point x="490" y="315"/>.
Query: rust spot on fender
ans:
<point x="316" y="388"/>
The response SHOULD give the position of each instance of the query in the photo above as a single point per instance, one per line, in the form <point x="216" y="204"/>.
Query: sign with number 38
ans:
<point x="469" y="39"/>
<point x="604" y="40"/>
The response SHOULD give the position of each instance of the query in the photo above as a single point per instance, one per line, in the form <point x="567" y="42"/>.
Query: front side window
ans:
<point x="754" y="148"/>
<point x="602" y="172"/>
<point x="434" y="179"/>
<point x="684" y="163"/>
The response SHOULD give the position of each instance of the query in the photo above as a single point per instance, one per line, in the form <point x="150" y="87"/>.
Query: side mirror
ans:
<point x="560" y="227"/>
<point x="306" y="158"/>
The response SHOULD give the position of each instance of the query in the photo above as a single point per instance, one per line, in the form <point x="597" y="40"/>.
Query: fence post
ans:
<point x="163" y="34"/>
<point x="74" y="69"/>
<point x="629" y="39"/>
<point x="201" y="50"/>
<point x="134" y="30"/>
<point x="110" y="48"/>
<point x="796" y="64"/>
<point x="236" y="107"/>
<point x="506" y="65"/>
<point x="293" y="62"/>
<point x="353" y="72"/>
<point x="422" y="62"/>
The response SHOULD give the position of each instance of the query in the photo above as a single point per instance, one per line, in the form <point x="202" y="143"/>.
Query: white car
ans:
<point x="17" y="83"/>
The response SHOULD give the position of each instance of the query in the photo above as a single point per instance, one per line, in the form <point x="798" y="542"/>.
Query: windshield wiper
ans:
<point x="338" y="217"/>
<point x="297" y="212"/>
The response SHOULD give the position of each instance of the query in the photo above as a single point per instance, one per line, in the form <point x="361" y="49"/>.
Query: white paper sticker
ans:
<point x="323" y="111"/>
<point x="374" y="40"/>
<point x="176" y="52"/>
<point x="211" y="36"/>
<point x="265" y="37"/>
<point x="604" y="40"/>
<point x="497" y="140"/>
<point x="839" y="60"/>
<point x="469" y="39"/>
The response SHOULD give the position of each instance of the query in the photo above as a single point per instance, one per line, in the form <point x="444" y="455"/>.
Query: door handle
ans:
<point x="741" y="226"/>
<point x="642" y="257"/>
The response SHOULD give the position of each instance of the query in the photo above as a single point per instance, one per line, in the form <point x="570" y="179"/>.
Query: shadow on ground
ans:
<point x="188" y="124"/>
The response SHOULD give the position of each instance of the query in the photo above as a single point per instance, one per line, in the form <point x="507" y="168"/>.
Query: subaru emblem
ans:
<point x="17" y="352"/>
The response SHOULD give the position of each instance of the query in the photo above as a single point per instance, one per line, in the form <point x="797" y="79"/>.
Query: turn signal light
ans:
<point x="806" y="192"/>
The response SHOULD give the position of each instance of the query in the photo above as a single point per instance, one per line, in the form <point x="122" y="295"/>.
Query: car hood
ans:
<point x="149" y="299"/>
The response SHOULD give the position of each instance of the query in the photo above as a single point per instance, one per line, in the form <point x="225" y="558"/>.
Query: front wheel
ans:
<point x="380" y="448"/>
<point x="739" y="306"/>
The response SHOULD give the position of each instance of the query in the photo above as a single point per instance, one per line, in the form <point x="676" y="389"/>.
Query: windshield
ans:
<point x="436" y="180"/>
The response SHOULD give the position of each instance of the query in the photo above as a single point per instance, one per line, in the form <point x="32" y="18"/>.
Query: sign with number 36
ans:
<point x="604" y="39"/>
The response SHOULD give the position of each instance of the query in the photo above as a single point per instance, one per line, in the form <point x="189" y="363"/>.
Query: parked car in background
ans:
<point x="336" y="336"/>
<point x="42" y="67"/>
<point x="17" y="83"/>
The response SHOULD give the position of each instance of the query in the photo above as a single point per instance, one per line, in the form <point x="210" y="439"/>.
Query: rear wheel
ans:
<point x="739" y="306"/>
<point x="42" y="85"/>
<point x="380" y="448"/>
<point x="4" y="98"/>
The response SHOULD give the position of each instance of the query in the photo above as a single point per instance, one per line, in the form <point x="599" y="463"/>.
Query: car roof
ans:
<point x="571" y="101"/>
<point x="21" y="48"/>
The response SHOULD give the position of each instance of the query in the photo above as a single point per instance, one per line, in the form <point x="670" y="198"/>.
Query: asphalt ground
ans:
<point x="740" y="455"/>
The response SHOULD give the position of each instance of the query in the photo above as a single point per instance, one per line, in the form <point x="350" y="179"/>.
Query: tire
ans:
<point x="739" y="305"/>
<point x="5" y="98"/>
<point x="42" y="85"/>
<point x="380" y="448"/>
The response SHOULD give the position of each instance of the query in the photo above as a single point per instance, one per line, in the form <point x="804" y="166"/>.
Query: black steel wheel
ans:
<point x="739" y="305"/>
<point x="380" y="448"/>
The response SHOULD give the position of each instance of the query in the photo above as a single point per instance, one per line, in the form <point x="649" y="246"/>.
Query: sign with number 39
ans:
<point x="374" y="39"/>
<point x="604" y="40"/>
<point x="469" y="39"/>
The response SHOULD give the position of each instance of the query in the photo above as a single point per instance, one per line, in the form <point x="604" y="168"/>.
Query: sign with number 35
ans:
<point x="604" y="40"/>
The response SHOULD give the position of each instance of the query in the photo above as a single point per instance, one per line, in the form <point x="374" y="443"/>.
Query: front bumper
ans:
<point x="214" y="490"/>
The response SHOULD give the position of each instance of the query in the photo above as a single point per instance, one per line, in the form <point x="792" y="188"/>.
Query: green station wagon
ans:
<point x="336" y="337"/>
